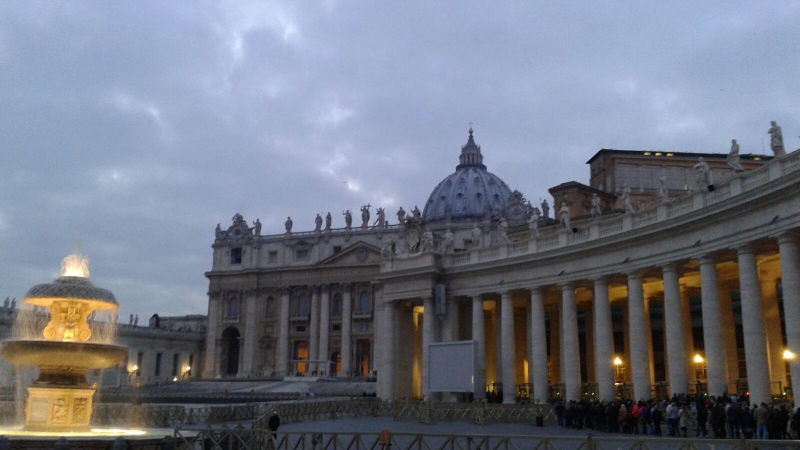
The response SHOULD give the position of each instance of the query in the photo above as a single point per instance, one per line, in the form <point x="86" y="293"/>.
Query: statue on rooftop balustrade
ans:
<point x="365" y="216"/>
<point x="318" y="223"/>
<point x="401" y="215"/>
<point x="545" y="209"/>
<point x="257" y="227"/>
<point x="348" y="219"/>
<point x="380" y="222"/>
<point x="502" y="231"/>
<point x="702" y="174"/>
<point x="596" y="209"/>
<point x="477" y="236"/>
<point x="328" y="220"/>
<point x="288" y="224"/>
<point x="533" y="223"/>
<point x="564" y="215"/>
<point x="776" y="140"/>
<point x="733" y="157"/>
<point x="448" y="241"/>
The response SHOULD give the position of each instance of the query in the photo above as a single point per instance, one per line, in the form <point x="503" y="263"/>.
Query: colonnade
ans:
<point x="760" y="344"/>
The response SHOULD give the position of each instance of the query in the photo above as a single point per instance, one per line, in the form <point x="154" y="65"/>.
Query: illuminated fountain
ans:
<point x="68" y="346"/>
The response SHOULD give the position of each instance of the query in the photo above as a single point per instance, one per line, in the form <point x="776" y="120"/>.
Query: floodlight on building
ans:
<point x="174" y="379"/>
<point x="698" y="359"/>
<point x="658" y="153"/>
<point x="617" y="361"/>
<point x="788" y="354"/>
<point x="188" y="368"/>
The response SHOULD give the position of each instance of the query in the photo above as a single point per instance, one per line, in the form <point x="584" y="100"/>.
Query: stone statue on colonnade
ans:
<point x="533" y="223"/>
<point x="776" y="140"/>
<point x="502" y="231"/>
<point x="733" y="157"/>
<point x="564" y="215"/>
<point x="596" y="210"/>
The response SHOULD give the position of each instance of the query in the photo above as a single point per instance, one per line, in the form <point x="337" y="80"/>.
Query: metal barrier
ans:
<point x="258" y="438"/>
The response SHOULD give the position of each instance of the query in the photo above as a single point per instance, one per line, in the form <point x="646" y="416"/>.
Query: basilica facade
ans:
<point x="668" y="273"/>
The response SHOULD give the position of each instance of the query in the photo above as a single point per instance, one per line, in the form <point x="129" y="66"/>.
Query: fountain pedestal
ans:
<point x="58" y="409"/>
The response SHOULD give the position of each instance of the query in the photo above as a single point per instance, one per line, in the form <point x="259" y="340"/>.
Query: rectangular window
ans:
<point x="236" y="255"/>
<point x="176" y="364"/>
<point x="139" y="359"/>
<point x="158" y="364"/>
<point x="301" y="254"/>
<point x="272" y="257"/>
<point x="300" y="329"/>
<point x="337" y="249"/>
<point x="627" y="175"/>
<point x="336" y="327"/>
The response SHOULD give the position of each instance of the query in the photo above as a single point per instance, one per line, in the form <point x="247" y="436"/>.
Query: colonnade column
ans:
<point x="538" y="362"/>
<point x="790" y="282"/>
<point x="570" y="356"/>
<point x="507" y="347"/>
<point x="250" y="333"/>
<point x="313" y="346"/>
<point x="428" y="314"/>
<point x="712" y="328"/>
<point x="640" y="351"/>
<point x="324" y="329"/>
<point x="347" y="312"/>
<point x="603" y="341"/>
<point x="479" y="336"/>
<point x="388" y="373"/>
<point x="755" y="339"/>
<point x="673" y="319"/>
<point x="283" y="338"/>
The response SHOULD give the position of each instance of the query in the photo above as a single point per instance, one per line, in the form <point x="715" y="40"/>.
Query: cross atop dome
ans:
<point x="470" y="154"/>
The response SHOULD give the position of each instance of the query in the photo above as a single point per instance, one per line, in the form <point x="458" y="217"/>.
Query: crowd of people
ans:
<point x="684" y="416"/>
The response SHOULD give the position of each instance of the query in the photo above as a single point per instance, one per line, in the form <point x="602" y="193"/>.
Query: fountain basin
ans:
<point x="71" y="356"/>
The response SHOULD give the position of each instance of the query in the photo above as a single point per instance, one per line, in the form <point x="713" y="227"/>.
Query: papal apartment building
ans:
<point x="668" y="273"/>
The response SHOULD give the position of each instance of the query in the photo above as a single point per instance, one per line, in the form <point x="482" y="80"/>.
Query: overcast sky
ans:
<point x="136" y="127"/>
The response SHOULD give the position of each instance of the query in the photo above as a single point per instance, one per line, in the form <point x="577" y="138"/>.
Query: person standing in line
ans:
<point x="761" y="415"/>
<point x="273" y="423"/>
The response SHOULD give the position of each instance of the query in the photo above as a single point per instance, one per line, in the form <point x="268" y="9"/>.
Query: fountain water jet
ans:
<point x="60" y="400"/>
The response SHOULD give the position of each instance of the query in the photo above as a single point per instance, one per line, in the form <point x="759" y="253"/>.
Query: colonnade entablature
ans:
<point x="746" y="194"/>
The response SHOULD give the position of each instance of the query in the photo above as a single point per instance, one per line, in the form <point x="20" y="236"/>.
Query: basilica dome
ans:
<point x="468" y="191"/>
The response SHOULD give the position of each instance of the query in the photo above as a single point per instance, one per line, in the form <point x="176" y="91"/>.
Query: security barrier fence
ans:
<point x="170" y="416"/>
<point x="256" y="438"/>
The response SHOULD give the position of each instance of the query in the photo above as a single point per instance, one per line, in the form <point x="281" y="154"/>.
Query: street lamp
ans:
<point x="132" y="372"/>
<point x="187" y="372"/>
<point x="788" y="355"/>
<point x="698" y="359"/>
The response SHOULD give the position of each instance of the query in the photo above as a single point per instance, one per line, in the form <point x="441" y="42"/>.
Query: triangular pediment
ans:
<point x="360" y="253"/>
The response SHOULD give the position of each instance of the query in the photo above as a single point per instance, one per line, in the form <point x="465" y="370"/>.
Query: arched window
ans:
<point x="336" y="307"/>
<point x="364" y="302"/>
<point x="303" y="305"/>
<point x="233" y="308"/>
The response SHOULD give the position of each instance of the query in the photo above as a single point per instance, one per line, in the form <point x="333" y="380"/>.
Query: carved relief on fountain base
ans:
<point x="58" y="409"/>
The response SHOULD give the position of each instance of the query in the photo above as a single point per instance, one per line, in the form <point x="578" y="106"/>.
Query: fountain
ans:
<point x="60" y="399"/>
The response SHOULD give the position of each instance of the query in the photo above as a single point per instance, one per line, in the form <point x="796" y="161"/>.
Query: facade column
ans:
<point x="313" y="345"/>
<point x="347" y="312"/>
<point x="712" y="329"/>
<point x="640" y="350"/>
<point x="324" y="329"/>
<point x="673" y="321"/>
<point x="755" y="338"/>
<point x="387" y="375"/>
<point x="250" y="334"/>
<point x="790" y="283"/>
<point x="283" y="338"/>
<point x="479" y="336"/>
<point x="537" y="366"/>
<point x="428" y="315"/>
<point x="570" y="356"/>
<point x="603" y="341"/>
<point x="210" y="363"/>
<point x="498" y="339"/>
<point x="507" y="348"/>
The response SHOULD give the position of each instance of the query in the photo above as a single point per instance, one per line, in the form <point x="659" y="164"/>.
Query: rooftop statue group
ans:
<point x="415" y="240"/>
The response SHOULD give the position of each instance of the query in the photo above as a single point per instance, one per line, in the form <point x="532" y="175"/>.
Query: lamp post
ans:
<point x="132" y="372"/>
<point x="186" y="372"/>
